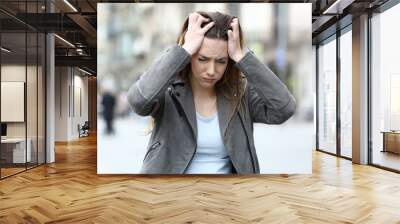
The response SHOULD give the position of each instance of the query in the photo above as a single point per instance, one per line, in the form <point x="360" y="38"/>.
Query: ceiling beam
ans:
<point x="321" y="20"/>
<point x="84" y="24"/>
<point x="337" y="7"/>
<point x="83" y="61"/>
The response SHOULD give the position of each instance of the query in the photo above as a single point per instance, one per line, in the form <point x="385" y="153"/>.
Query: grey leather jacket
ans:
<point x="169" y="100"/>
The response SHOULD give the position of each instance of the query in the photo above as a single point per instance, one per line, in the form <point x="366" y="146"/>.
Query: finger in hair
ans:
<point x="202" y="19"/>
<point x="208" y="26"/>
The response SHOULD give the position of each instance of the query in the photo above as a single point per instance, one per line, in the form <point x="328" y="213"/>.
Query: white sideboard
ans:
<point x="18" y="144"/>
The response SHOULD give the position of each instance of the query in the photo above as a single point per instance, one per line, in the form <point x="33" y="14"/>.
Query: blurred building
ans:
<point x="280" y="38"/>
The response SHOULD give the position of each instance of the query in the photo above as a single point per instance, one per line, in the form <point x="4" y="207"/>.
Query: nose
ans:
<point x="211" y="69"/>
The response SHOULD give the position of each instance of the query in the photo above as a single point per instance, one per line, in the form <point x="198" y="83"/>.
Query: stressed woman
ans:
<point x="204" y="94"/>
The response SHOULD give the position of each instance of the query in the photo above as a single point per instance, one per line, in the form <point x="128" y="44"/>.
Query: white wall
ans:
<point x="33" y="125"/>
<point x="61" y="111"/>
<point x="16" y="73"/>
<point x="71" y="94"/>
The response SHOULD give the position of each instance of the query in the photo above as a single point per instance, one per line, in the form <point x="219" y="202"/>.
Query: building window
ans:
<point x="327" y="96"/>
<point x="346" y="94"/>
<point x="385" y="89"/>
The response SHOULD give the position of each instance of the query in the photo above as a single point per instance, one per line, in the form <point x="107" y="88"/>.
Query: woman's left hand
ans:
<point x="234" y="50"/>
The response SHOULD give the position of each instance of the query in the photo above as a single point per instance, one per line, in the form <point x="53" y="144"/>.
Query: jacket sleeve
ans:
<point x="146" y="95"/>
<point x="269" y="100"/>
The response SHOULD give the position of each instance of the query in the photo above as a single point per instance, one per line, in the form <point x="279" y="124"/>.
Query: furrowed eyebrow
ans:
<point x="205" y="57"/>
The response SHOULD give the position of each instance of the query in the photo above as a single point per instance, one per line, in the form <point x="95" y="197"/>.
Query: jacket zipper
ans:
<point x="182" y="115"/>
<point x="176" y="102"/>
<point x="248" y="142"/>
<point x="226" y="131"/>
<point x="152" y="147"/>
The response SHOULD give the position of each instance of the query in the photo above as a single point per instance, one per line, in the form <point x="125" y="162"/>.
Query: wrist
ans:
<point x="188" y="49"/>
<point x="238" y="56"/>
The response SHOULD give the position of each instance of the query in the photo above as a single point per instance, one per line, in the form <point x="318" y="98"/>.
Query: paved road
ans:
<point x="281" y="149"/>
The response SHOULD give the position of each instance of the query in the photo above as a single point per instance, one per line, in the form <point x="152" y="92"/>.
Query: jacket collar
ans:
<point x="184" y="95"/>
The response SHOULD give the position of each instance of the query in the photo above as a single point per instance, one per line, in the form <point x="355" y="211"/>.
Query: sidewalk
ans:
<point x="283" y="148"/>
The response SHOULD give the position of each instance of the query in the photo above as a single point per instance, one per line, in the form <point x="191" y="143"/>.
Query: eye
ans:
<point x="221" y="62"/>
<point x="202" y="59"/>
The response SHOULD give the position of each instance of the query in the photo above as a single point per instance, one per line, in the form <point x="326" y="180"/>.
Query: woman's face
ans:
<point x="209" y="63"/>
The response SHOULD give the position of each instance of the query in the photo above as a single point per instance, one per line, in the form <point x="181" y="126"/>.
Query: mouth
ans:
<point x="208" y="80"/>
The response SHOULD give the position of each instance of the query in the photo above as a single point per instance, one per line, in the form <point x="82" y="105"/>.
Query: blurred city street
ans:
<point x="124" y="151"/>
<point x="281" y="149"/>
<point x="127" y="47"/>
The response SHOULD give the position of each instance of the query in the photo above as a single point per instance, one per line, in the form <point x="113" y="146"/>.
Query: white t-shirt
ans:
<point x="211" y="156"/>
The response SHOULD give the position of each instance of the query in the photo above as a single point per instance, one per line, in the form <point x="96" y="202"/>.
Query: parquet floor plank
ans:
<point x="70" y="191"/>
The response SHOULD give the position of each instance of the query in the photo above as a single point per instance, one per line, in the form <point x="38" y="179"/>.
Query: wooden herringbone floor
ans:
<point x="70" y="191"/>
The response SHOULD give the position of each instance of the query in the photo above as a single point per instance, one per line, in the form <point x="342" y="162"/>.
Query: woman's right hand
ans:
<point x="195" y="34"/>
